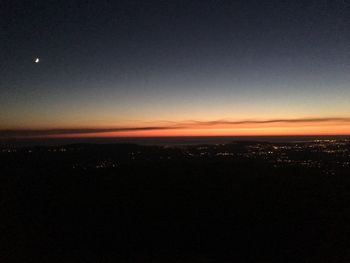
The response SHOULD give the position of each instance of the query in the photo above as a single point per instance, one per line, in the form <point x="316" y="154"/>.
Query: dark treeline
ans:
<point x="102" y="203"/>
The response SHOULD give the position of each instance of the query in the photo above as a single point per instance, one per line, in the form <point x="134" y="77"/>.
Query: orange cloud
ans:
<point x="301" y="126"/>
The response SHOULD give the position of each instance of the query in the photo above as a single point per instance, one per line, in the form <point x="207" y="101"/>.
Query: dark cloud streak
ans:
<point x="12" y="133"/>
<point x="28" y="133"/>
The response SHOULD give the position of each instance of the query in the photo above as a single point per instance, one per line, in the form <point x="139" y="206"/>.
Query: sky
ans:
<point x="174" y="68"/>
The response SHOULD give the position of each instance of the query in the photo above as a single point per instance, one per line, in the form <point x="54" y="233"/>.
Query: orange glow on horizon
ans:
<point x="271" y="127"/>
<point x="256" y="131"/>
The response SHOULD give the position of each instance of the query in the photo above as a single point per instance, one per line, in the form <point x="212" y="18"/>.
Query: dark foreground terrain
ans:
<point x="239" y="202"/>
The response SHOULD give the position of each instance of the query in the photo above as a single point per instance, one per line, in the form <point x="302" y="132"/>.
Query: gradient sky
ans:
<point x="163" y="68"/>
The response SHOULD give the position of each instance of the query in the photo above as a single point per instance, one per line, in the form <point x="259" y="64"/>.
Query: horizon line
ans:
<point x="180" y="125"/>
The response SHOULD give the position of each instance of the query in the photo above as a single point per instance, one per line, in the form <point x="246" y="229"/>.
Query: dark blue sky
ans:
<point x="124" y="62"/>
